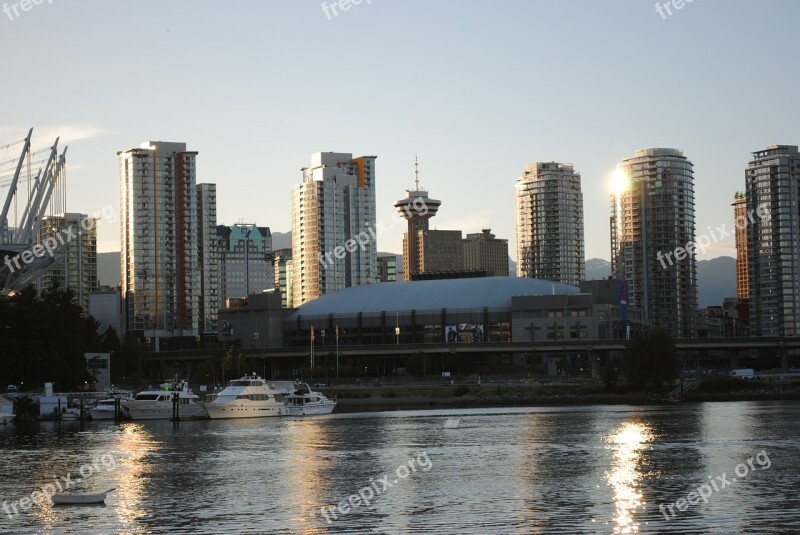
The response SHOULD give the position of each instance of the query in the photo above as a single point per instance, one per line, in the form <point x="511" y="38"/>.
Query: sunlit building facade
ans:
<point x="159" y="244"/>
<point x="484" y="252"/>
<point x="334" y="235"/>
<point x="652" y="224"/>
<point x="742" y="277"/>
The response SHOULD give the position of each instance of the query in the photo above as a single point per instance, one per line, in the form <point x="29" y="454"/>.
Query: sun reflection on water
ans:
<point x="627" y="443"/>
<point x="133" y="472"/>
<point x="307" y="439"/>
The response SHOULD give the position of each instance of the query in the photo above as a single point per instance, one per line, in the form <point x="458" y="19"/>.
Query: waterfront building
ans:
<point x="772" y="194"/>
<point x="75" y="238"/>
<point x="283" y="268"/>
<point x="417" y="209"/>
<point x="245" y="260"/>
<point x="159" y="244"/>
<point x="652" y="225"/>
<point x="740" y="231"/>
<point x="334" y="236"/>
<point x="387" y="268"/>
<point x="208" y="256"/>
<point x="484" y="252"/>
<point x="549" y="210"/>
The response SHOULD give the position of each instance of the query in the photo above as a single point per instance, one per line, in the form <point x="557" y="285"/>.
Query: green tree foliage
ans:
<point x="234" y="363"/>
<point x="44" y="338"/>
<point x="652" y="359"/>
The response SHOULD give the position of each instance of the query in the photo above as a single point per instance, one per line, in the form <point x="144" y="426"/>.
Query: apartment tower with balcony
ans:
<point x="652" y="225"/>
<point x="549" y="210"/>
<point x="334" y="234"/>
<point x="159" y="244"/>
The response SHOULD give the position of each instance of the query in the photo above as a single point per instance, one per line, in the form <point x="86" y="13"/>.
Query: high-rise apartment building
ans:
<point x="282" y="267"/>
<point x="772" y="194"/>
<point x="75" y="239"/>
<point x="245" y="260"/>
<point x="208" y="256"/>
<point x="740" y="231"/>
<point x="484" y="252"/>
<point x="549" y="209"/>
<point x="334" y="235"/>
<point x="159" y="244"/>
<point x="652" y="226"/>
<point x="416" y="208"/>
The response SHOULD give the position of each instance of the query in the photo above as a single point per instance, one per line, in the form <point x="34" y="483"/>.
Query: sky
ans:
<point x="475" y="88"/>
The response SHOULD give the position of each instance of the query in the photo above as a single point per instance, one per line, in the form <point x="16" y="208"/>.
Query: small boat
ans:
<point x="71" y="414"/>
<point x="306" y="402"/>
<point x="79" y="499"/>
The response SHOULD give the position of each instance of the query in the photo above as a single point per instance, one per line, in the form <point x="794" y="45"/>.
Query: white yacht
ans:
<point x="158" y="404"/>
<point x="104" y="410"/>
<point x="305" y="402"/>
<point x="250" y="397"/>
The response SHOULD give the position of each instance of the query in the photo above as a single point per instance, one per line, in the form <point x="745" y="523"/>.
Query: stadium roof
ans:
<point x="390" y="297"/>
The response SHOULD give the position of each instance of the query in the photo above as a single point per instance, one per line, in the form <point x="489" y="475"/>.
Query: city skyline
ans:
<point x="250" y="137"/>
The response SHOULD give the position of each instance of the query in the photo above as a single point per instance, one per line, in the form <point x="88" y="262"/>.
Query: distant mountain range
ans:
<point x="716" y="278"/>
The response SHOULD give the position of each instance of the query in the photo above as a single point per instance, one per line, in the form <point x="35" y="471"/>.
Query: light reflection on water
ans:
<point x="533" y="470"/>
<point x="627" y="444"/>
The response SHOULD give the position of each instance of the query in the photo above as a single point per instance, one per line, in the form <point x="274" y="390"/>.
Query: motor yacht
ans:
<point x="104" y="410"/>
<point x="305" y="402"/>
<point x="158" y="404"/>
<point x="250" y="397"/>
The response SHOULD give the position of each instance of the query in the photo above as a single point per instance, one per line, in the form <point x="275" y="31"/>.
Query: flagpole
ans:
<point x="337" y="351"/>
<point x="311" y="372"/>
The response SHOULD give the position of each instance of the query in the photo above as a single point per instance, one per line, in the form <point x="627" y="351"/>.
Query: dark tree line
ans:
<point x="43" y="338"/>
<point x="651" y="360"/>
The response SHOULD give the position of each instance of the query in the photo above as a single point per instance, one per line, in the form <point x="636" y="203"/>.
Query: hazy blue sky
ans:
<point x="476" y="88"/>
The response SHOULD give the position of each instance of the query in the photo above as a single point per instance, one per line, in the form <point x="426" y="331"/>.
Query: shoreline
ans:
<point x="355" y="399"/>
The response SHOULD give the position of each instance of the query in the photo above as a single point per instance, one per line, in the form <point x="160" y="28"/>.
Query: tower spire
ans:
<point x="416" y="173"/>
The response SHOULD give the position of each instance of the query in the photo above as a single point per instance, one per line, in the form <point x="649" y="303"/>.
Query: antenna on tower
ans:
<point x="416" y="173"/>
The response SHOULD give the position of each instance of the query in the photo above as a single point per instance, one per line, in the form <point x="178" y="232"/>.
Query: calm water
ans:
<point x="533" y="470"/>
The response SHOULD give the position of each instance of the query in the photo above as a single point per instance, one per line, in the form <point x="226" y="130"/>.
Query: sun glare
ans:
<point x="619" y="182"/>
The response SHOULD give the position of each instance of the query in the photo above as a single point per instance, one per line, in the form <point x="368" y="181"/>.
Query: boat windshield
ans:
<point x="148" y="397"/>
<point x="245" y="383"/>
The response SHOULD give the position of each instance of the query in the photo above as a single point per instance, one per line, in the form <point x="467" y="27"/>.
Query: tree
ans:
<point x="233" y="360"/>
<point x="652" y="359"/>
<point x="43" y="338"/>
<point x="610" y="376"/>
